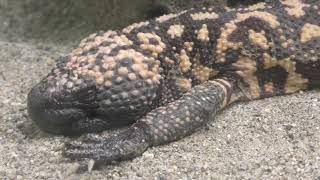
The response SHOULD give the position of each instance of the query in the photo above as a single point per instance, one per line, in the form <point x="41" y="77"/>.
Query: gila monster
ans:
<point x="168" y="76"/>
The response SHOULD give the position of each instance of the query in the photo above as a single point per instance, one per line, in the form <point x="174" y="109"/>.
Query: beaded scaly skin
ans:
<point x="169" y="76"/>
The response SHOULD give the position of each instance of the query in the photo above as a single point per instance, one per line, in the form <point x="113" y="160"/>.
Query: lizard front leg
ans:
<point x="160" y="126"/>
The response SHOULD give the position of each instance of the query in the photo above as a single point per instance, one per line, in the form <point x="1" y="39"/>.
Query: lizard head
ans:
<point x="114" y="85"/>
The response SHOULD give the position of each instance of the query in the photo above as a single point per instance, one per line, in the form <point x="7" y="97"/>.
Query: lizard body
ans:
<point x="170" y="75"/>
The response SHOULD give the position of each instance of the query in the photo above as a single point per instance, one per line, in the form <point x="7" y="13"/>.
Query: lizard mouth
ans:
<point x="54" y="111"/>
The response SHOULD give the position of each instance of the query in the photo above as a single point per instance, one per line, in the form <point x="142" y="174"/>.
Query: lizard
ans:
<point x="166" y="77"/>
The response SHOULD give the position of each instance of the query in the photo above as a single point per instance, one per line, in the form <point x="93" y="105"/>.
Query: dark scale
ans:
<point x="275" y="75"/>
<point x="170" y="75"/>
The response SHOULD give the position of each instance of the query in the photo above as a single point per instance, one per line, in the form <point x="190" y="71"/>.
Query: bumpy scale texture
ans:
<point x="170" y="75"/>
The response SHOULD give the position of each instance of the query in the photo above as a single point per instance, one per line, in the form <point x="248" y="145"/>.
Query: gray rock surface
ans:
<point x="275" y="138"/>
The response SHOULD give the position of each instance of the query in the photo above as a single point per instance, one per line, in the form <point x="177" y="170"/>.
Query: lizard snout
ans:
<point x="53" y="110"/>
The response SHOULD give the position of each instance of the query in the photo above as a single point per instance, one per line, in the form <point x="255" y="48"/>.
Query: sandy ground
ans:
<point x="275" y="138"/>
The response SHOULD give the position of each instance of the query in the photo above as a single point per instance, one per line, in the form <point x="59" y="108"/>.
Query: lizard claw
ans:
<point x="121" y="146"/>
